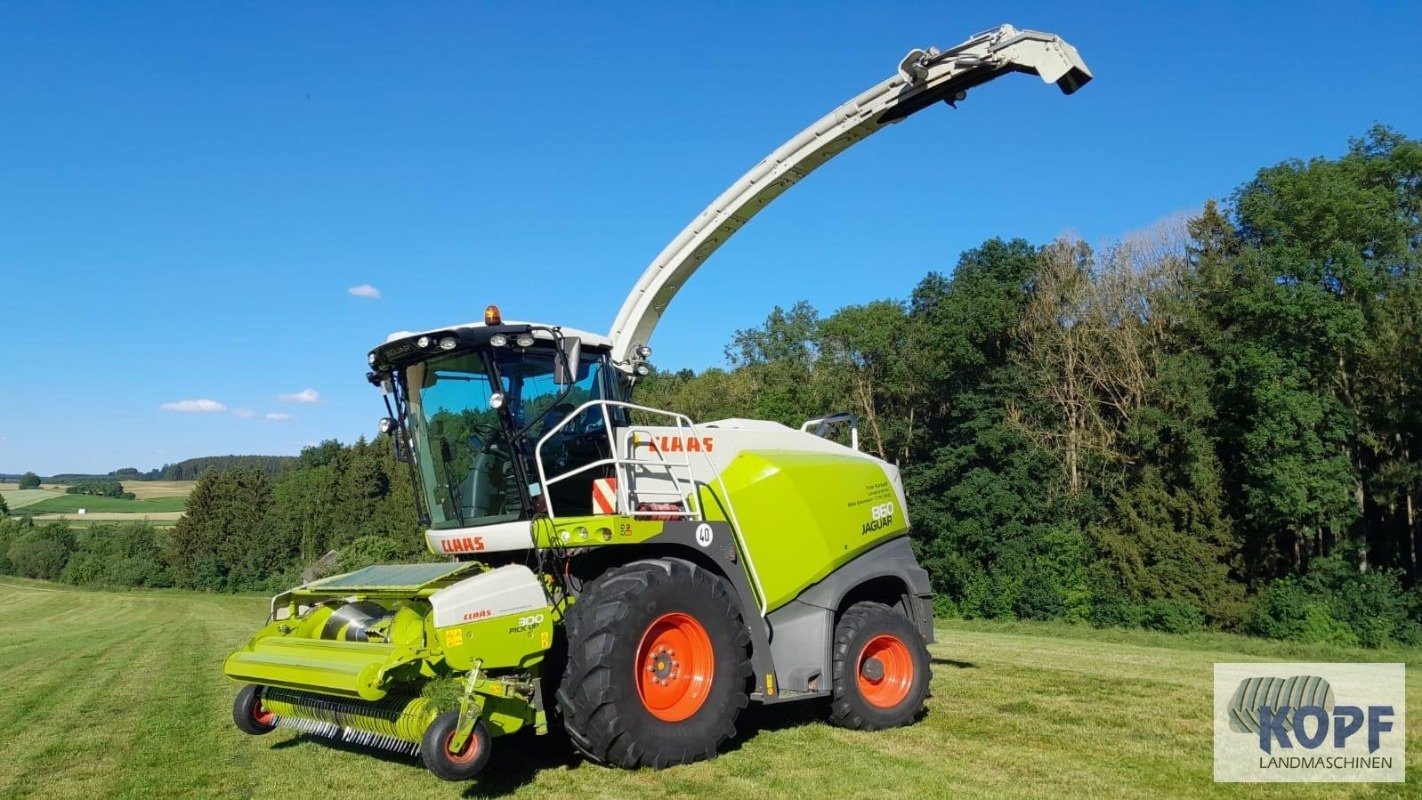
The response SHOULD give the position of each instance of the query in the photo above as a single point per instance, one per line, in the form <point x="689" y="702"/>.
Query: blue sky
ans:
<point x="188" y="193"/>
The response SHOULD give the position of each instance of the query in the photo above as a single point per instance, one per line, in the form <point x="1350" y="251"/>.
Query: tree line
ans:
<point x="242" y="530"/>
<point x="186" y="470"/>
<point x="1210" y="423"/>
<point x="101" y="488"/>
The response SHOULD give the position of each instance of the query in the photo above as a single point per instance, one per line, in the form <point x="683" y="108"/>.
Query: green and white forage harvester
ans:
<point x="616" y="570"/>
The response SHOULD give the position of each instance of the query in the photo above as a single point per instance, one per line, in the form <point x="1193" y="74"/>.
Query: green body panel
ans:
<point x="802" y="515"/>
<point x="505" y="715"/>
<point x="344" y="669"/>
<point x="593" y="531"/>
<point x="514" y="640"/>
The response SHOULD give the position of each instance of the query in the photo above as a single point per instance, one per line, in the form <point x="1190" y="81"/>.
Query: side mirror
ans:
<point x="565" y="365"/>
<point x="390" y="428"/>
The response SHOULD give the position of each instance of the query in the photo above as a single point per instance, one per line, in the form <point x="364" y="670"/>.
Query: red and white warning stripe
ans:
<point x="604" y="496"/>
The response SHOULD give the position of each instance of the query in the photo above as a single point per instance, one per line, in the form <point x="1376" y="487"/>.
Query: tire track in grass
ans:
<point x="70" y="751"/>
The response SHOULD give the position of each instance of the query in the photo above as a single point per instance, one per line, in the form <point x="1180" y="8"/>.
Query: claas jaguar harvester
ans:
<point x="620" y="571"/>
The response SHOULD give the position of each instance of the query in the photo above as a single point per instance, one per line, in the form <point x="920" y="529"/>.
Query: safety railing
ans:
<point x="630" y="497"/>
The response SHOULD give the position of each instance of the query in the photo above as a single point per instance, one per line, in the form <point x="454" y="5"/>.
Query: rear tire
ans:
<point x="461" y="766"/>
<point x="881" y="669"/>
<point x="249" y="714"/>
<point x="658" y="668"/>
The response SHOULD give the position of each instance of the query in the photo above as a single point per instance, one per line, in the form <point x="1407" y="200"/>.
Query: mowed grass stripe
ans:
<point x="67" y="747"/>
<point x="48" y="642"/>
<point x="181" y="749"/>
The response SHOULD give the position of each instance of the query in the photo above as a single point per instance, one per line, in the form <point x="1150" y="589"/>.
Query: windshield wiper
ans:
<point x="449" y="485"/>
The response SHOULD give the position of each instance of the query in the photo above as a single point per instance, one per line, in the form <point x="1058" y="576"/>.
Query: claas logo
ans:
<point x="684" y="444"/>
<point x="462" y="544"/>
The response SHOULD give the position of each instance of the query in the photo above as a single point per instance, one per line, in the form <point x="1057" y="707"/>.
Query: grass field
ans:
<point x="71" y="503"/>
<point x="120" y="695"/>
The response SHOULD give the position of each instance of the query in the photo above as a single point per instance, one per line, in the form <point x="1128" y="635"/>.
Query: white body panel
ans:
<point x="495" y="538"/>
<point x="499" y="592"/>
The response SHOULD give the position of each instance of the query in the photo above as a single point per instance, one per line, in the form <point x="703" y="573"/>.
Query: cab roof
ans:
<point x="588" y="339"/>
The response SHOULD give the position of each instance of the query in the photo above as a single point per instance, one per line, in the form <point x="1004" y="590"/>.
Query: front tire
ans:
<point x="452" y="766"/>
<point x="249" y="714"/>
<point x="658" y="668"/>
<point x="881" y="669"/>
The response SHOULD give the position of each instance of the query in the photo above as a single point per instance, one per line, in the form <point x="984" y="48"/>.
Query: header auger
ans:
<point x="619" y="570"/>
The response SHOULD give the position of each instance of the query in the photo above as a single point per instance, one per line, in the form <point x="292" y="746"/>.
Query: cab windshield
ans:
<point x="471" y="456"/>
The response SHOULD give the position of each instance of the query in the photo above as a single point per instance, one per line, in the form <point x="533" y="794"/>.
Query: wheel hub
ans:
<point x="663" y="665"/>
<point x="873" y="669"/>
<point x="886" y="671"/>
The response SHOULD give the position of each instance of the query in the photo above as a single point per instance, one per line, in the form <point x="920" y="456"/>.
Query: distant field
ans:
<point x="146" y="490"/>
<point x="71" y="503"/>
<point x="159" y="501"/>
<point x="19" y="498"/>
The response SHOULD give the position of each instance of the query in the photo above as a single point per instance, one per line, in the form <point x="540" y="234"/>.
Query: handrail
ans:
<point x="693" y="512"/>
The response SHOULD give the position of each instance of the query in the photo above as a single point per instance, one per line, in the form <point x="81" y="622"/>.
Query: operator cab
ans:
<point x="472" y="402"/>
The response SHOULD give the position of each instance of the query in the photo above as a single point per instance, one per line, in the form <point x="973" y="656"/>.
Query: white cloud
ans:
<point x="306" y="396"/>
<point x="279" y="416"/>
<point x="364" y="290"/>
<point x="195" y="406"/>
<point x="244" y="413"/>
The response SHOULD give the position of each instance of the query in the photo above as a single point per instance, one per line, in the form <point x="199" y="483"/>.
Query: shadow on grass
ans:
<point x="518" y="759"/>
<point x="951" y="662"/>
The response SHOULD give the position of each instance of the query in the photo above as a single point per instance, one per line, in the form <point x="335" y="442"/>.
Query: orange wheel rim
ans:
<point x="469" y="752"/>
<point x="885" y="671"/>
<point x="261" y="715"/>
<point x="674" y="667"/>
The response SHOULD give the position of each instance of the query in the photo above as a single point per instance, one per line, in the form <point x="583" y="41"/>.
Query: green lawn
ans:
<point x="116" y="694"/>
<point x="71" y="503"/>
